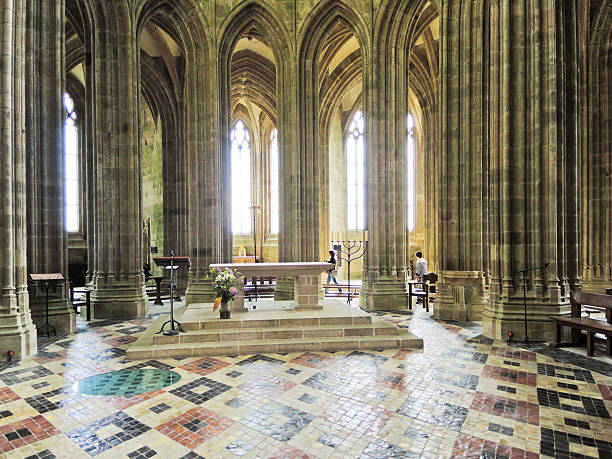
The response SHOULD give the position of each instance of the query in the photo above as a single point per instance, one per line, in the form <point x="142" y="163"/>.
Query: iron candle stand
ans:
<point x="172" y="263"/>
<point x="350" y="251"/>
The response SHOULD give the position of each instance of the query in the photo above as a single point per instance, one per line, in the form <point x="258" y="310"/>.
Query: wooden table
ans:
<point x="306" y="280"/>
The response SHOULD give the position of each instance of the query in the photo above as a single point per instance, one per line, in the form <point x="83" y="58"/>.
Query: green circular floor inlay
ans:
<point x="127" y="382"/>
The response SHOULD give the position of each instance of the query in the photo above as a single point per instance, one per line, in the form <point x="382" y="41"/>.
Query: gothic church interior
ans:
<point x="476" y="132"/>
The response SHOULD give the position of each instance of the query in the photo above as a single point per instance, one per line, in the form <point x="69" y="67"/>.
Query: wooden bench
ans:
<point x="591" y="326"/>
<point x="265" y="287"/>
<point x="355" y="288"/>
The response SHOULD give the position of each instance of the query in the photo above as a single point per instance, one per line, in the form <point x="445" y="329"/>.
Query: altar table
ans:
<point x="306" y="280"/>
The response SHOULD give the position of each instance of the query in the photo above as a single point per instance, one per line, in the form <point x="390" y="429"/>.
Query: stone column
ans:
<point x="432" y="186"/>
<point x="47" y="240"/>
<point x="293" y="244"/>
<point x="17" y="332"/>
<point x="464" y="156"/>
<point x="385" y="90"/>
<point x="207" y="205"/>
<point x="113" y="90"/>
<point x="533" y="164"/>
<point x="596" y="144"/>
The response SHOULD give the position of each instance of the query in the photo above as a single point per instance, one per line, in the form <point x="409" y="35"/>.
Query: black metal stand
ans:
<point x="352" y="250"/>
<point x="173" y="331"/>
<point x="46" y="280"/>
<point x="47" y="325"/>
<point x="524" y="272"/>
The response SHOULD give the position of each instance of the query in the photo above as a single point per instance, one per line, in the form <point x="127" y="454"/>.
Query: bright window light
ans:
<point x="241" y="179"/>
<point x="411" y="189"/>
<point x="355" y="173"/>
<point x="274" y="194"/>
<point x="71" y="167"/>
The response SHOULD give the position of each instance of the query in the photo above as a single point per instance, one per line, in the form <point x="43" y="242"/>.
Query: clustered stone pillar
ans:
<point x="596" y="144"/>
<point x="207" y="206"/>
<point x="17" y="332"/>
<point x="47" y="242"/>
<point x="112" y="73"/>
<point x="533" y="164"/>
<point x="462" y="235"/>
<point x="431" y="179"/>
<point x="385" y="265"/>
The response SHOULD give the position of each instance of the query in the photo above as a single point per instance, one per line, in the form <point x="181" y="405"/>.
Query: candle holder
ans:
<point x="350" y="251"/>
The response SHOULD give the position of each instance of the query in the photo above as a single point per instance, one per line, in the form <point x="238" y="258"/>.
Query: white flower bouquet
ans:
<point x="226" y="285"/>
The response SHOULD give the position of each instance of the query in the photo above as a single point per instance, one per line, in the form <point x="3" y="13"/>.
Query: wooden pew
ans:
<point x="333" y="290"/>
<point x="265" y="287"/>
<point x="591" y="326"/>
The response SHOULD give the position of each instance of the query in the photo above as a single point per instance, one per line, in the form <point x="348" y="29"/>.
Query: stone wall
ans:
<point x="152" y="185"/>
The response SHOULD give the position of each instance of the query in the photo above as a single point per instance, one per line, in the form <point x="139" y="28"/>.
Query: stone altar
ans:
<point x="306" y="284"/>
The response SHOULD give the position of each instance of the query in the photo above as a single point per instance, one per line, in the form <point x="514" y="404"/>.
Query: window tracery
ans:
<point x="355" y="173"/>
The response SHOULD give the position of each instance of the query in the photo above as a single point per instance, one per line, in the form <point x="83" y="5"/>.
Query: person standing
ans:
<point x="421" y="266"/>
<point x="331" y="273"/>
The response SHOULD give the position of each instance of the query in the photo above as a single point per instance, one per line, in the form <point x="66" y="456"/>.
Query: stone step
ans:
<point x="378" y="328"/>
<point x="238" y="322"/>
<point x="403" y="340"/>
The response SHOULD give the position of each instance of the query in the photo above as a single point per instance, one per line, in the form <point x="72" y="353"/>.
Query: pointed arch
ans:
<point x="246" y="16"/>
<point x="313" y="36"/>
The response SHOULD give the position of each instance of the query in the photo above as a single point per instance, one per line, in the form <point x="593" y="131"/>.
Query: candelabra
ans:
<point x="254" y="208"/>
<point x="350" y="251"/>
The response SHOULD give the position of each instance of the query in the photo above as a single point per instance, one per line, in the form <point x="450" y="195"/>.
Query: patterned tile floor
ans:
<point x="463" y="396"/>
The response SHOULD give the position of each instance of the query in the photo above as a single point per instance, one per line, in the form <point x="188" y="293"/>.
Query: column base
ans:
<point x="460" y="296"/>
<point x="501" y="316"/>
<point x="17" y="334"/>
<point x="284" y="289"/>
<point x="119" y="302"/>
<point x="200" y="291"/>
<point x="61" y="314"/>
<point x="383" y="293"/>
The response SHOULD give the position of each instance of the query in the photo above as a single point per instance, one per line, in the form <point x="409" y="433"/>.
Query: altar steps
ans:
<point x="261" y="332"/>
<point x="277" y="333"/>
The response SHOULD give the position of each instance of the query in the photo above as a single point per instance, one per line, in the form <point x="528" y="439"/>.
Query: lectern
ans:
<point x="46" y="280"/>
<point x="172" y="263"/>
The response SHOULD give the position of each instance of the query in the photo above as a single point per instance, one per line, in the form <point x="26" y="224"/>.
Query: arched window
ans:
<point x="241" y="178"/>
<point x="411" y="188"/>
<point x="355" y="173"/>
<point x="274" y="196"/>
<point x="71" y="166"/>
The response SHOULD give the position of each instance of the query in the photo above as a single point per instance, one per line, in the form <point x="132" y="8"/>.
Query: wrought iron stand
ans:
<point x="350" y="251"/>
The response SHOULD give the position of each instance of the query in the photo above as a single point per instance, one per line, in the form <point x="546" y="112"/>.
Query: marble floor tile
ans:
<point x="464" y="395"/>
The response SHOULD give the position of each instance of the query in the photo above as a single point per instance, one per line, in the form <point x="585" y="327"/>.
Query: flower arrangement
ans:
<point x="225" y="284"/>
